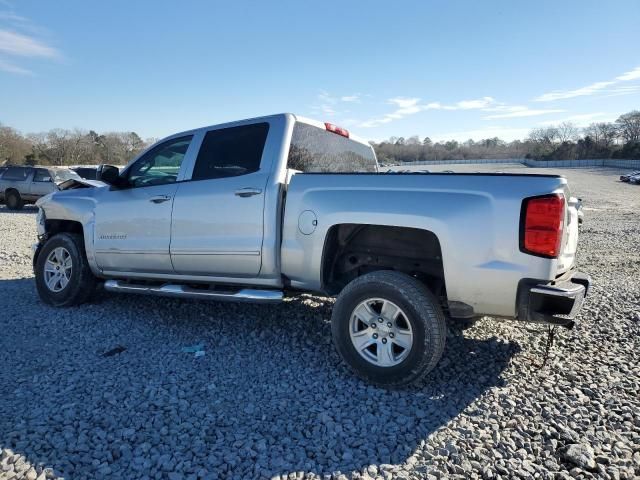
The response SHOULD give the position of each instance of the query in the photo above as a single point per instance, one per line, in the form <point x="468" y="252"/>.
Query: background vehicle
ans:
<point x="88" y="173"/>
<point x="20" y="185"/>
<point x="634" y="179"/>
<point x="249" y="210"/>
<point x="627" y="176"/>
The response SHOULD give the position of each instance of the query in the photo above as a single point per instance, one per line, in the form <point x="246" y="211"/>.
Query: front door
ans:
<point x="218" y="213"/>
<point x="133" y="223"/>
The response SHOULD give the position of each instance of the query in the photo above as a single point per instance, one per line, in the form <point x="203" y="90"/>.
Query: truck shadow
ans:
<point x="269" y="397"/>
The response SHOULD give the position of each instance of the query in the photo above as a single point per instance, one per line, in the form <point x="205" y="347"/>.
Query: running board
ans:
<point x="182" y="291"/>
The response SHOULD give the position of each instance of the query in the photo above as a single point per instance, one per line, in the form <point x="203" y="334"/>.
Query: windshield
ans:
<point x="60" y="176"/>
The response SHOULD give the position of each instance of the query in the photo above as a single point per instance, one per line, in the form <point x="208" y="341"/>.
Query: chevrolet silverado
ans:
<point x="256" y="209"/>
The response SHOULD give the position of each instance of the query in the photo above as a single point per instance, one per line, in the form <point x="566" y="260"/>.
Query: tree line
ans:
<point x="565" y="141"/>
<point x="619" y="139"/>
<point x="68" y="147"/>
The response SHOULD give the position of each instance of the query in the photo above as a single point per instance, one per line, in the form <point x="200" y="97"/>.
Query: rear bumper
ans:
<point x="552" y="303"/>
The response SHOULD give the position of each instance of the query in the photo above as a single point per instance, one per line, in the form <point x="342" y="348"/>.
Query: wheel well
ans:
<point x="351" y="250"/>
<point x="9" y="190"/>
<point x="58" y="226"/>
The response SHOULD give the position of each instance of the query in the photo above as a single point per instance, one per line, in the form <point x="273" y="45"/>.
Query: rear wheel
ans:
<point x="63" y="276"/>
<point x="13" y="200"/>
<point x="389" y="328"/>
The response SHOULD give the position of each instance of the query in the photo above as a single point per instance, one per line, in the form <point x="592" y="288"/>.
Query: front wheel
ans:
<point x="63" y="276"/>
<point x="13" y="200"/>
<point x="389" y="328"/>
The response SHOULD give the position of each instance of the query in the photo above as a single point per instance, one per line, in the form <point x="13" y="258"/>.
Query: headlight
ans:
<point x="40" y="222"/>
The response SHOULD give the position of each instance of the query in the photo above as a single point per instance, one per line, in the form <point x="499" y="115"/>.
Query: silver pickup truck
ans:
<point x="254" y="209"/>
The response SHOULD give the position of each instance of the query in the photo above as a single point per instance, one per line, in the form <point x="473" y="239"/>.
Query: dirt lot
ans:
<point x="270" y="396"/>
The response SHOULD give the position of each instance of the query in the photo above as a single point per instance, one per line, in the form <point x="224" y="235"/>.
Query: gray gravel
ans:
<point x="271" y="398"/>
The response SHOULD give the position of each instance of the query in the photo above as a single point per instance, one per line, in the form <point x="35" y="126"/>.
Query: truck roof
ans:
<point x="298" y="118"/>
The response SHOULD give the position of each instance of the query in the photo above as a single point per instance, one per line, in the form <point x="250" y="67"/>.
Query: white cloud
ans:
<point x="16" y="44"/>
<point x="523" y="112"/>
<point x="505" y="108"/>
<point x="504" y="133"/>
<point x="582" y="120"/>
<point x="10" y="68"/>
<point x="622" y="90"/>
<point x="329" y="105"/>
<point x="631" y="75"/>
<point x="404" y="102"/>
<point x="12" y="17"/>
<point x="19" y="39"/>
<point x="579" y="92"/>
<point x="594" y="88"/>
<point x="483" y="102"/>
<point x="411" y="105"/>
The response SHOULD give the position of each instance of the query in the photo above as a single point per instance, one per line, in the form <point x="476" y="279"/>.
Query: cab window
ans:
<point x="231" y="152"/>
<point x="160" y="165"/>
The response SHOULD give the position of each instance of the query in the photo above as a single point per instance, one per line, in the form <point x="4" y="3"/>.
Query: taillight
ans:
<point x="335" y="129"/>
<point x="542" y="223"/>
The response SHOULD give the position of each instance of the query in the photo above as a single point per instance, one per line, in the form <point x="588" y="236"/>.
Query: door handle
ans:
<point x="160" y="198"/>
<point x="248" y="192"/>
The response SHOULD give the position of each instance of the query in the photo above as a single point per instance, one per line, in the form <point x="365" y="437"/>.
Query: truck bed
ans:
<point x="475" y="217"/>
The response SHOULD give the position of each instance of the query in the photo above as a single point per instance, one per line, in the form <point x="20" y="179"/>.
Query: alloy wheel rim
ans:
<point x="57" y="269"/>
<point x="380" y="332"/>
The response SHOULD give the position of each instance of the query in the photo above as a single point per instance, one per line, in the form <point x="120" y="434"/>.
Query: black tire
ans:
<point x="422" y="311"/>
<point x="13" y="200"/>
<point x="82" y="283"/>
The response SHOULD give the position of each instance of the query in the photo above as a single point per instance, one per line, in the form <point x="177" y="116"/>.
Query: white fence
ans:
<point x="602" y="162"/>
<point x="469" y="161"/>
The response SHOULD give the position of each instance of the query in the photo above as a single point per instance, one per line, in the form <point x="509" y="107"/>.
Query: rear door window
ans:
<point x="16" y="173"/>
<point x="231" y="152"/>
<point x="316" y="150"/>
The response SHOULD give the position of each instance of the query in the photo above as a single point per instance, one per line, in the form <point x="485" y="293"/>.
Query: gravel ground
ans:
<point x="270" y="396"/>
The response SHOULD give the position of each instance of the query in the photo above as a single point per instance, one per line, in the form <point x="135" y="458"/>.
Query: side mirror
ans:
<point x="109" y="175"/>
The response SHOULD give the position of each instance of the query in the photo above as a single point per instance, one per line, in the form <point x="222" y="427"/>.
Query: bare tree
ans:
<point x="592" y="132"/>
<point x="567" y="132"/>
<point x="546" y="136"/>
<point x="14" y="148"/>
<point x="413" y="140"/>
<point x="603" y="134"/>
<point x="629" y="126"/>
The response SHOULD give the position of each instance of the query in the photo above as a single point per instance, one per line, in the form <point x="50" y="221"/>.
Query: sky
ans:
<point x="447" y="69"/>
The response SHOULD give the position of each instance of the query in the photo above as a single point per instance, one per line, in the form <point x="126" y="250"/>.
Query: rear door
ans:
<point x="16" y="178"/>
<point x="217" y="222"/>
